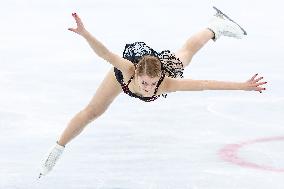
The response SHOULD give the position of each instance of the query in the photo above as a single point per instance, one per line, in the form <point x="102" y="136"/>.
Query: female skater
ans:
<point x="147" y="75"/>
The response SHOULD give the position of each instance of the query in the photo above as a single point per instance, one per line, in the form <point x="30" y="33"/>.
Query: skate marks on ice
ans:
<point x="250" y="111"/>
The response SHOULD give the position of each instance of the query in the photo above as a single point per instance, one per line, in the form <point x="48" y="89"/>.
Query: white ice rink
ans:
<point x="190" y="140"/>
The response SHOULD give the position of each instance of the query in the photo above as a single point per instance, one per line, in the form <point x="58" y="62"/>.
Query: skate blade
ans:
<point x="223" y="14"/>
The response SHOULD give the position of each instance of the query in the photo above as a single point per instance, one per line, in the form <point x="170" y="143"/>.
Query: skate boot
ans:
<point x="51" y="158"/>
<point x="222" y="25"/>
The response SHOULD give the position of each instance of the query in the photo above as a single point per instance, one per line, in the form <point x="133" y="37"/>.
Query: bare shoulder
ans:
<point x="124" y="65"/>
<point x="128" y="72"/>
<point x="168" y="85"/>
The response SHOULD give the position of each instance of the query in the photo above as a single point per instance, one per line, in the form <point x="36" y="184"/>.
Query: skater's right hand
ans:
<point x="80" y="26"/>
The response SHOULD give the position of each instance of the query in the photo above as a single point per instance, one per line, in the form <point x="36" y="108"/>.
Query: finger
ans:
<point x="74" y="14"/>
<point x="262" y="83"/>
<point x="77" y="18"/>
<point x="258" y="79"/>
<point x="260" y="89"/>
<point x="72" y="29"/>
<point x="253" y="77"/>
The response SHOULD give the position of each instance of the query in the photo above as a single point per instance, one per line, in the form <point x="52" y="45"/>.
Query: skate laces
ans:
<point x="52" y="158"/>
<point x="219" y="15"/>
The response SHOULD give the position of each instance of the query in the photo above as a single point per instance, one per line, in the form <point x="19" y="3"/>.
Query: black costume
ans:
<point x="171" y="66"/>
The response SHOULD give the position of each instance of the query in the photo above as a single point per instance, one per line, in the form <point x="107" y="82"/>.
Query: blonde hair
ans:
<point x="149" y="65"/>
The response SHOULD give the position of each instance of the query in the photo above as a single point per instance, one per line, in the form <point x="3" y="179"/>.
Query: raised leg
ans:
<point x="192" y="45"/>
<point x="104" y="96"/>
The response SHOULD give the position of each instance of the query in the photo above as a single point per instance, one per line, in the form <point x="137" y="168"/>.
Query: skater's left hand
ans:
<point x="254" y="84"/>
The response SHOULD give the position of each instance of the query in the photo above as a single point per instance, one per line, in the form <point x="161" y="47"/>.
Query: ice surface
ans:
<point x="47" y="74"/>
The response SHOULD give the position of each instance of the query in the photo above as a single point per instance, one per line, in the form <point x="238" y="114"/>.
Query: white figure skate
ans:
<point x="223" y="25"/>
<point x="51" y="158"/>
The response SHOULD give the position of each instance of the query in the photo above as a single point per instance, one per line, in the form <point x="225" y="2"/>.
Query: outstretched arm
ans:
<point x="252" y="84"/>
<point x="118" y="62"/>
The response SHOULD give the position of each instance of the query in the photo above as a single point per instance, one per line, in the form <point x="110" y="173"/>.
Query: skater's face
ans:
<point x="147" y="84"/>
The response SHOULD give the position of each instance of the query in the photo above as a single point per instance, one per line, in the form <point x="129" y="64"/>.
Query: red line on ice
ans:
<point x="230" y="154"/>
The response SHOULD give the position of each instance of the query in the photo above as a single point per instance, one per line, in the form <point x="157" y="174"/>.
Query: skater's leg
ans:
<point x="192" y="45"/>
<point x="105" y="94"/>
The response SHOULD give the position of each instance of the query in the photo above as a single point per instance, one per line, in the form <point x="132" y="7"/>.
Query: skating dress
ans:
<point x="171" y="67"/>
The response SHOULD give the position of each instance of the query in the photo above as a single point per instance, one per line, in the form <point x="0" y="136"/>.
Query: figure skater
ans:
<point x="146" y="74"/>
